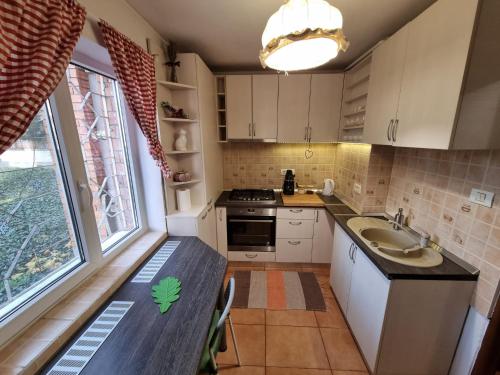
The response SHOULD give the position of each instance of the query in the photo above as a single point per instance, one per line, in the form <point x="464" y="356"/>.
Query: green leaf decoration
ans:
<point x="166" y="292"/>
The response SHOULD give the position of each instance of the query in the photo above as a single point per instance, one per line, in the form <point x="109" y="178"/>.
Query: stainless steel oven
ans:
<point x="251" y="229"/>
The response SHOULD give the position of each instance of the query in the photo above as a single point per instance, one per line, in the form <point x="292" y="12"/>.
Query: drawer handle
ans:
<point x="251" y="256"/>
<point x="295" y="222"/>
<point x="209" y="209"/>
<point x="296" y="211"/>
<point x="294" y="243"/>
<point x="204" y="216"/>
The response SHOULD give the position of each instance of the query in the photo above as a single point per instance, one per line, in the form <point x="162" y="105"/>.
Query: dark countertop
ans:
<point x="223" y="201"/>
<point x="448" y="270"/>
<point x="147" y="342"/>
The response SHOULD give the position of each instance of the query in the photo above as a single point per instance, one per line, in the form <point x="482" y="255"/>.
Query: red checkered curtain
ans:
<point x="135" y="71"/>
<point x="37" y="38"/>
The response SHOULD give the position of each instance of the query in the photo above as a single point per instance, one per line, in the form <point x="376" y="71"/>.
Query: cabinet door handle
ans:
<point x="350" y="251"/>
<point x="389" y="128"/>
<point x="294" y="243"/>
<point x="310" y="135"/>
<point x="220" y="215"/>
<point x="210" y="208"/>
<point x="249" y="129"/>
<point x="251" y="256"/>
<point x="395" y="130"/>
<point x="253" y="126"/>
<point x="210" y="202"/>
<point x="295" y="222"/>
<point x="317" y="216"/>
<point x="296" y="211"/>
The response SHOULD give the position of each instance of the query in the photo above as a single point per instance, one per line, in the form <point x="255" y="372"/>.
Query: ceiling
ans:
<point x="226" y="33"/>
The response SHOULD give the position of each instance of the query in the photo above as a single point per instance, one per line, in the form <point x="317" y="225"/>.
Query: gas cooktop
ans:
<point x="252" y="195"/>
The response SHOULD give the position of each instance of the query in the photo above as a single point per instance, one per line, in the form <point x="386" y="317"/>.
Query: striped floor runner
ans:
<point x="278" y="290"/>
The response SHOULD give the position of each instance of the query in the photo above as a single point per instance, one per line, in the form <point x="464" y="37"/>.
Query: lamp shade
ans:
<point x="302" y="34"/>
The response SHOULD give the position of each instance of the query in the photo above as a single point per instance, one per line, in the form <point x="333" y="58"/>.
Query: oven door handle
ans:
<point x="250" y="221"/>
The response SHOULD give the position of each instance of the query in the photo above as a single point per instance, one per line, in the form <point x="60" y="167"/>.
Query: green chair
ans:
<point x="215" y="333"/>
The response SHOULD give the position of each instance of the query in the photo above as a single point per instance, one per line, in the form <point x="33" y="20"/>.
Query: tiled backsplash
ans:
<point x="433" y="187"/>
<point x="258" y="165"/>
<point x="369" y="166"/>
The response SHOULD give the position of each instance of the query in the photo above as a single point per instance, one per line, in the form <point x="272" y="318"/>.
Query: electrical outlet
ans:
<point x="283" y="171"/>
<point x="484" y="198"/>
<point x="357" y="188"/>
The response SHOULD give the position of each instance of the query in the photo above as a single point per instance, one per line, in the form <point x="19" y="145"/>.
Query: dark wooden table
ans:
<point x="147" y="342"/>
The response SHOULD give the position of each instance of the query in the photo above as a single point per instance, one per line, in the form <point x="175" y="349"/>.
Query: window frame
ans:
<point x="82" y="61"/>
<point x="85" y="225"/>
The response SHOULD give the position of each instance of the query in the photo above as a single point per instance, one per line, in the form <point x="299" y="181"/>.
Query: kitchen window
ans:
<point x="69" y="199"/>
<point x="38" y="241"/>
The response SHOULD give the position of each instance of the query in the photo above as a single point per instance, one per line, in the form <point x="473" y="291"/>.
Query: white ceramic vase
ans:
<point x="181" y="141"/>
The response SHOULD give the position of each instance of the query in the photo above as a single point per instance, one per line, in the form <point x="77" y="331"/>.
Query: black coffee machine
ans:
<point x="289" y="183"/>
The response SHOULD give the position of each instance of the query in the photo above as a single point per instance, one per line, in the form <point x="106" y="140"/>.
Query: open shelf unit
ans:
<point x="185" y="95"/>
<point x="354" y="100"/>
<point x="196" y="95"/>
<point x="220" y="86"/>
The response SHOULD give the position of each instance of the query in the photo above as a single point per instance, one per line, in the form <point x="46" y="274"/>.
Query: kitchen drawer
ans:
<point x="251" y="256"/>
<point x="295" y="213"/>
<point x="294" y="228"/>
<point x="293" y="250"/>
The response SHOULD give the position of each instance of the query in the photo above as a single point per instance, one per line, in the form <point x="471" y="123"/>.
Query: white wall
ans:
<point x="120" y="15"/>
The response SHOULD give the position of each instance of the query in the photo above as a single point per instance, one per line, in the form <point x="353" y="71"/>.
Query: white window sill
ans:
<point x="30" y="350"/>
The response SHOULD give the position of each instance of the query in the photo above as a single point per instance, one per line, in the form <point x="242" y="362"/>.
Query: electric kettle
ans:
<point x="328" y="187"/>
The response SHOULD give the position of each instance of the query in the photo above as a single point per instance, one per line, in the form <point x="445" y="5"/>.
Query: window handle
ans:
<point x="85" y="195"/>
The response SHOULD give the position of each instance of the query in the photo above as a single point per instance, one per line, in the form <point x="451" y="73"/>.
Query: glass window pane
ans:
<point x="101" y="131"/>
<point x="37" y="241"/>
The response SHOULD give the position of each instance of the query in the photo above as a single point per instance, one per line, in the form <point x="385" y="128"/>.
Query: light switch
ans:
<point x="482" y="197"/>
<point x="357" y="188"/>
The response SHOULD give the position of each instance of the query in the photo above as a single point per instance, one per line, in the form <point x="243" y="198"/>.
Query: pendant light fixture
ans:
<point x="302" y="34"/>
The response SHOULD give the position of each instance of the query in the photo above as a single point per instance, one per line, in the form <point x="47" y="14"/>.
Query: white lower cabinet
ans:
<point x="251" y="256"/>
<point x="220" y="217"/>
<point x="403" y="327"/>
<point x="322" y="237"/>
<point x="293" y="250"/>
<point x="341" y="268"/>
<point x="207" y="227"/>
<point x="367" y="304"/>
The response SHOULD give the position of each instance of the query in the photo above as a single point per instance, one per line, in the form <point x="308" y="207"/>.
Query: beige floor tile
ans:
<point x="295" y="371"/>
<point x="342" y="350"/>
<point x="243" y="370"/>
<point x="295" y="347"/>
<point x="298" y="318"/>
<point x="341" y="372"/>
<point x="248" y="316"/>
<point x="332" y="317"/>
<point x="251" y="345"/>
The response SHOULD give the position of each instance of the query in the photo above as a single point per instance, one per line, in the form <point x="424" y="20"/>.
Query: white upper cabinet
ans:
<point x="293" y="107"/>
<point x="384" y="87"/>
<point x="265" y="106"/>
<point x="239" y="106"/>
<point x="326" y="99"/>
<point x="438" y="48"/>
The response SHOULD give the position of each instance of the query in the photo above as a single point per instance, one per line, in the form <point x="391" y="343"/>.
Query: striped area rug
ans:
<point x="278" y="290"/>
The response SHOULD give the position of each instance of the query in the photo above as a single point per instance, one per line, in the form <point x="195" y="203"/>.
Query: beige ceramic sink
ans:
<point x="395" y="245"/>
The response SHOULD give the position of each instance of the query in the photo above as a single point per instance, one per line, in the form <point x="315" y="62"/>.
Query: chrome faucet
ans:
<point x="399" y="220"/>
